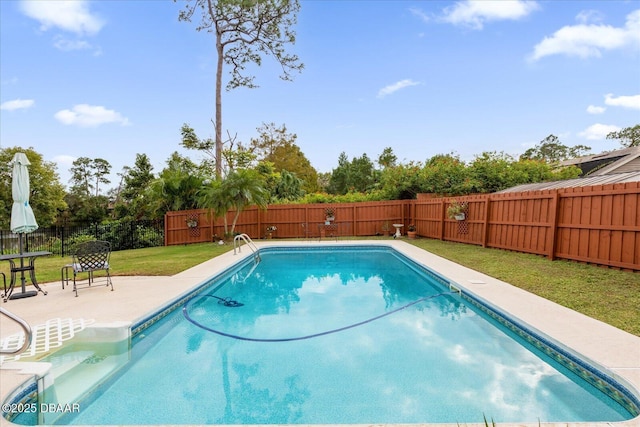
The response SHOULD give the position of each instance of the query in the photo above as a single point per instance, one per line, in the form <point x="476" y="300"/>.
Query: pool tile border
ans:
<point x="594" y="376"/>
<point x="27" y="394"/>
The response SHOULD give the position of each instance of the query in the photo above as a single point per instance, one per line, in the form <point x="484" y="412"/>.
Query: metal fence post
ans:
<point x="63" y="242"/>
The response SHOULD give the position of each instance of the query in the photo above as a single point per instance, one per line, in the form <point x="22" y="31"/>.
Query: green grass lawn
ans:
<point x="609" y="295"/>
<point x="158" y="261"/>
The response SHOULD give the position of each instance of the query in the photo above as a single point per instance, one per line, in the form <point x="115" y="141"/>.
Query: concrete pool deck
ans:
<point x="134" y="297"/>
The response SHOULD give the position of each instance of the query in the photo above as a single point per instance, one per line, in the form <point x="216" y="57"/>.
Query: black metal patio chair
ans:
<point x="89" y="257"/>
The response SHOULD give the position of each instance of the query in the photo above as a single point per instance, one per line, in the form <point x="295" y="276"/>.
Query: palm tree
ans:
<point x="211" y="196"/>
<point x="289" y="187"/>
<point x="239" y="189"/>
<point x="175" y="188"/>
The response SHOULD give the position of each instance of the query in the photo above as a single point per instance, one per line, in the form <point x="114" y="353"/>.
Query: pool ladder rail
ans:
<point x="247" y="240"/>
<point x="27" y="333"/>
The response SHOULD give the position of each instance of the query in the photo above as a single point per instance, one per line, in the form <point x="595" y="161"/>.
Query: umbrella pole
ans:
<point x="21" y="248"/>
<point x="24" y="293"/>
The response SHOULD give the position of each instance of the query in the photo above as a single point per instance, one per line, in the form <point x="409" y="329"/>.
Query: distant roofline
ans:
<point x="613" y="178"/>
<point x="602" y="156"/>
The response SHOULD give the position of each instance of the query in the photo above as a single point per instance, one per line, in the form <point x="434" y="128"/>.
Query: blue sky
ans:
<point x="110" y="79"/>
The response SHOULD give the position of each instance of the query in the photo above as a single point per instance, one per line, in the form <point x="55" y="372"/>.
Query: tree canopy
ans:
<point x="47" y="194"/>
<point x="131" y="202"/>
<point x="87" y="175"/>
<point x="552" y="150"/>
<point x="277" y="146"/>
<point x="85" y="200"/>
<point x="357" y="175"/>
<point x="176" y="187"/>
<point x="628" y="137"/>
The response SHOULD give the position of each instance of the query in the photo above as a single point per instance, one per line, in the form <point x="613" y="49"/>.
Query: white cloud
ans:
<point x="67" y="45"/>
<point x="85" y="115"/>
<point x="388" y="90"/>
<point x="631" y="101"/>
<point x="598" y="131"/>
<point x="67" y="15"/>
<point x="474" y="13"/>
<point x="420" y="14"/>
<point x="586" y="41"/>
<point x="592" y="109"/>
<point x="11" y="81"/>
<point x="586" y="16"/>
<point x="17" y="104"/>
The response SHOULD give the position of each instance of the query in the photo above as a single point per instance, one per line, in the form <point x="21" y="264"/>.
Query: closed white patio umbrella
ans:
<point x="22" y="219"/>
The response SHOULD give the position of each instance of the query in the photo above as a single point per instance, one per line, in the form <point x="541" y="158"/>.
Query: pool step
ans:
<point x="78" y="366"/>
<point x="74" y="379"/>
<point x="46" y="337"/>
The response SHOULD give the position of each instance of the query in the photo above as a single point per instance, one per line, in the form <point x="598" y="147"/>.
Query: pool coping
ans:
<point x="605" y="347"/>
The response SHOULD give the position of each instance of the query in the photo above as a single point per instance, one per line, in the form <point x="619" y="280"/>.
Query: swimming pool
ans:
<point x="342" y="335"/>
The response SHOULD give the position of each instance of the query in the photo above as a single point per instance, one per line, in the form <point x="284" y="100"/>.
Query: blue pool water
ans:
<point x="337" y="335"/>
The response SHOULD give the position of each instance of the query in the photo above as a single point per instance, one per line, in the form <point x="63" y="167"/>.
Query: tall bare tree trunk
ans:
<point x="241" y="24"/>
<point x="220" y="50"/>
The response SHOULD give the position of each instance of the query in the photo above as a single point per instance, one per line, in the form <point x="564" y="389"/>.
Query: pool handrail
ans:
<point x="247" y="240"/>
<point x="25" y="327"/>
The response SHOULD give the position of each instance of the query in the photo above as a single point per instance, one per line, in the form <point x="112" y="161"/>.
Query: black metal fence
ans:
<point x="60" y="240"/>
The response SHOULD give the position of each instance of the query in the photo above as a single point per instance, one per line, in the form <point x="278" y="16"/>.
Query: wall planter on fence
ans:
<point x="329" y="215"/>
<point x="192" y="223"/>
<point x="458" y="211"/>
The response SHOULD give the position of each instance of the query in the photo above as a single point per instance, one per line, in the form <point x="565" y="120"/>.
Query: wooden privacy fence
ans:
<point x="597" y="224"/>
<point x="290" y="221"/>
